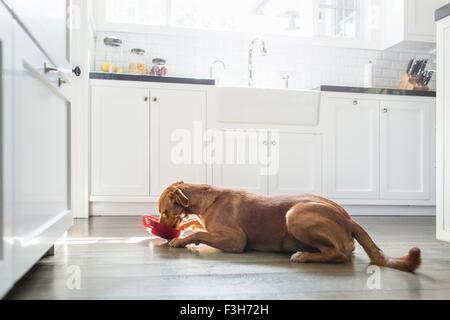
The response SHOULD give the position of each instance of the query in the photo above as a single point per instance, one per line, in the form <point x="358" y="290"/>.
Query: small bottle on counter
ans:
<point x="159" y="68"/>
<point x="113" y="55"/>
<point x="137" y="64"/>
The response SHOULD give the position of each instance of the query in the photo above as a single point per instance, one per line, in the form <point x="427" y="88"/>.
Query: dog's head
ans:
<point x="173" y="205"/>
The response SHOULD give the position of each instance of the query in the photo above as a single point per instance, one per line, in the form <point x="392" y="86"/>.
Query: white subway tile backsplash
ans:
<point x="307" y="66"/>
<point x="390" y="73"/>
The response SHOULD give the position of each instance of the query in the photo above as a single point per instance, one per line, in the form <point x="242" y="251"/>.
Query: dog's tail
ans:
<point x="408" y="263"/>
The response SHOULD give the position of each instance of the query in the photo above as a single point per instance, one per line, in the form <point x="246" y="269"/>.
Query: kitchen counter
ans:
<point x="442" y="12"/>
<point x="399" y="92"/>
<point x="146" y="78"/>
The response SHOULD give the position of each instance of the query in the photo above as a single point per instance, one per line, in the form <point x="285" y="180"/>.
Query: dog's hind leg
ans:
<point x="322" y="257"/>
<point x="313" y="225"/>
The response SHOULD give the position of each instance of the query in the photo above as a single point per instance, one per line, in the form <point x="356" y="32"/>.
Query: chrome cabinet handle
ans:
<point x="155" y="99"/>
<point x="62" y="77"/>
<point x="274" y="143"/>
<point x="355" y="102"/>
<point x="61" y="82"/>
<point x="264" y="142"/>
<point x="146" y="99"/>
<point x="385" y="110"/>
<point x="48" y="68"/>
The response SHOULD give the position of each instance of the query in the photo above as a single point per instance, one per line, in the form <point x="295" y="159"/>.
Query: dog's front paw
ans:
<point x="177" y="243"/>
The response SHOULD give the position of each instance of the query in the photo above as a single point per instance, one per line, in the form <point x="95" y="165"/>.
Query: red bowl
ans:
<point x="152" y="224"/>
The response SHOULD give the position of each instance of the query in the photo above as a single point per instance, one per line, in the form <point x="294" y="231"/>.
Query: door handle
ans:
<point x="48" y="68"/>
<point x="76" y="71"/>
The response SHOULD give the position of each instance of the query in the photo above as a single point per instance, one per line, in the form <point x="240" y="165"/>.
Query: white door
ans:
<point x="49" y="23"/>
<point x="405" y="150"/>
<point x="120" y="147"/>
<point x="299" y="166"/>
<point x="41" y="155"/>
<point x="243" y="162"/>
<point x="443" y="131"/>
<point x="177" y="126"/>
<point x="353" y="159"/>
<point x="6" y="163"/>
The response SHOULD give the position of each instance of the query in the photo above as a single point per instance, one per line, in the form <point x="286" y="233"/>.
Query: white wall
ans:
<point x="307" y="66"/>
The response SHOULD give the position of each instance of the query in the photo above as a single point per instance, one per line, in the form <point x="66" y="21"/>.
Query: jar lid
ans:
<point x="112" y="41"/>
<point x="138" y="51"/>
<point x="159" y="61"/>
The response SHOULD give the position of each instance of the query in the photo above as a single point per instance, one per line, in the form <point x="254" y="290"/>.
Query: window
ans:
<point x="336" y="18"/>
<point x="262" y="16"/>
<point x="145" y="12"/>
<point x="339" y="18"/>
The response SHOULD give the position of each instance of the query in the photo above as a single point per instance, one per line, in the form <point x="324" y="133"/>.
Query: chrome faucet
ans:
<point x="212" y="66"/>
<point x="250" y="58"/>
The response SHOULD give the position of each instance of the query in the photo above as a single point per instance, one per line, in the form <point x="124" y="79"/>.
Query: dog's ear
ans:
<point x="181" y="198"/>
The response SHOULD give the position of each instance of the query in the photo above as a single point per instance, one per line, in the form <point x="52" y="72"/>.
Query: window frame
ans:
<point x="99" y="8"/>
<point x="359" y="8"/>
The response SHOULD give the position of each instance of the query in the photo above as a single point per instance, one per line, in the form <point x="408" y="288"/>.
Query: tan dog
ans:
<point x="314" y="228"/>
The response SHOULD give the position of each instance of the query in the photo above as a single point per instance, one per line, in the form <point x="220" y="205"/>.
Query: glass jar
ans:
<point x="159" y="68"/>
<point x="112" y="61"/>
<point x="137" y="62"/>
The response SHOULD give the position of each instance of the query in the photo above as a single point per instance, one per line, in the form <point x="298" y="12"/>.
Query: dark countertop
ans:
<point x="442" y="12"/>
<point x="398" y="92"/>
<point x="135" y="77"/>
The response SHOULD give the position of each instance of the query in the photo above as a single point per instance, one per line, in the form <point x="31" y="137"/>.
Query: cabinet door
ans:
<point x="49" y="23"/>
<point x="299" y="164"/>
<point x="353" y="159"/>
<point x="120" y="132"/>
<point x="236" y="168"/>
<point x="6" y="162"/>
<point x="405" y="150"/>
<point x="41" y="177"/>
<point x="443" y="131"/>
<point x="420" y="18"/>
<point x="177" y="124"/>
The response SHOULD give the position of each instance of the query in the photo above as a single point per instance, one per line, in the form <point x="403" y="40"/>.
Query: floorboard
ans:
<point x="118" y="259"/>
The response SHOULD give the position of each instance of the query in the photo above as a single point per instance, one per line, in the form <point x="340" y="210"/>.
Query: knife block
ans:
<point x="408" y="82"/>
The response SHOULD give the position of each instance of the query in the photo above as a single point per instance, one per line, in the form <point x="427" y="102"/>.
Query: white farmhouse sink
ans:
<point x="268" y="106"/>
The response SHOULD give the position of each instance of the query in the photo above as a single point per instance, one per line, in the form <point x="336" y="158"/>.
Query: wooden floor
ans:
<point x="117" y="259"/>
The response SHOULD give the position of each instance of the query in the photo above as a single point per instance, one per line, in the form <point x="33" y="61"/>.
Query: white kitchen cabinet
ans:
<point x="353" y="158"/>
<point x="49" y="22"/>
<point x="443" y="131"/>
<point x="406" y="148"/>
<point x="293" y="165"/>
<point x="245" y="174"/>
<point x="41" y="174"/>
<point x="410" y="23"/>
<point x="177" y="124"/>
<point x="300" y="164"/>
<point x="6" y="161"/>
<point x="120" y="141"/>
